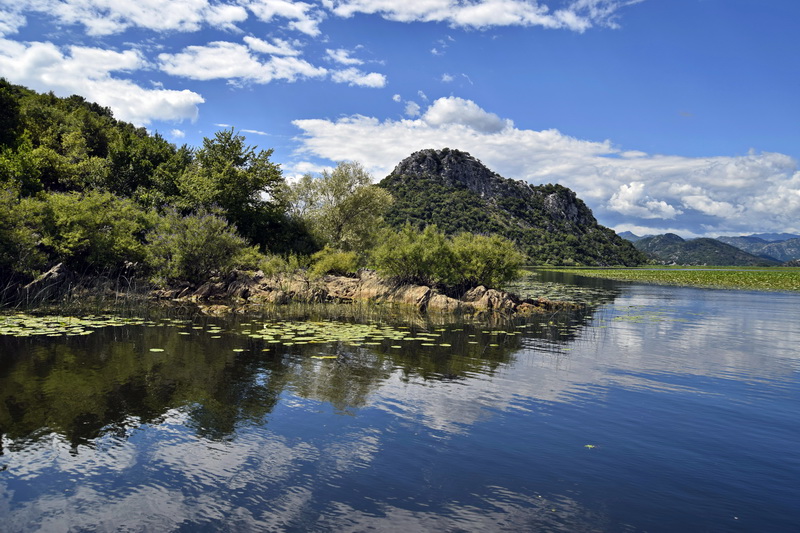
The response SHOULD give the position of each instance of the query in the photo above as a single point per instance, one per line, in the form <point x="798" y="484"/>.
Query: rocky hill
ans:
<point x="672" y="249"/>
<point x="457" y="192"/>
<point x="783" y="250"/>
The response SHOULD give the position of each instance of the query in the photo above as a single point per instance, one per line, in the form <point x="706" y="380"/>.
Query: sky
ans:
<point x="675" y="116"/>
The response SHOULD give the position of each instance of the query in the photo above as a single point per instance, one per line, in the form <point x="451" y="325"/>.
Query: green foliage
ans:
<point x="228" y="175"/>
<point x="342" y="208"/>
<point x="491" y="261"/>
<point x="456" y="263"/>
<point x="414" y="256"/>
<point x="19" y="253"/>
<point x="92" y="231"/>
<point x="194" y="247"/>
<point x="332" y="261"/>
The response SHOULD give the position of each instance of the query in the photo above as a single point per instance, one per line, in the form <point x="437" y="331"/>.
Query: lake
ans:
<point x="653" y="409"/>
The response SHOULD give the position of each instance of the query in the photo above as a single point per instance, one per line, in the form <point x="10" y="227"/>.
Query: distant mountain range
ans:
<point x="455" y="191"/>
<point x="765" y="249"/>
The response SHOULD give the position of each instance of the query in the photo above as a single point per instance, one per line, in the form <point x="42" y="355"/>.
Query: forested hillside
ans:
<point x="97" y="194"/>
<point x="456" y="192"/>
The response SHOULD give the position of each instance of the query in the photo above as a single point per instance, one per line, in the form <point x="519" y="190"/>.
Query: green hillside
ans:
<point x="456" y="192"/>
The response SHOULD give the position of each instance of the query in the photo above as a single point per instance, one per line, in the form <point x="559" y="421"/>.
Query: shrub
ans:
<point x="454" y="264"/>
<point x="490" y="261"/>
<point x="195" y="247"/>
<point x="413" y="256"/>
<point x="332" y="261"/>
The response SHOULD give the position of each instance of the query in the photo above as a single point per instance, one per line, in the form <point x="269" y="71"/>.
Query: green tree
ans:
<point x="227" y="174"/>
<point x="342" y="207"/>
<point x="92" y="231"/>
<point x="19" y="252"/>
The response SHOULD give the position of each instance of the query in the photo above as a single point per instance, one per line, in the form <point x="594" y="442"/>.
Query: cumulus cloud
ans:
<point x="106" y="17"/>
<point x="302" y="16"/>
<point x="88" y="71"/>
<point x="412" y="109"/>
<point x="343" y="56"/>
<point x="578" y="15"/>
<point x="353" y="76"/>
<point x="235" y="62"/>
<point x="631" y="199"/>
<point x="691" y="196"/>
<point x="278" y="47"/>
<point x="449" y="111"/>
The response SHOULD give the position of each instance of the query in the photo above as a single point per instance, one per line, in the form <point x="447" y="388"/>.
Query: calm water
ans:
<point x="657" y="409"/>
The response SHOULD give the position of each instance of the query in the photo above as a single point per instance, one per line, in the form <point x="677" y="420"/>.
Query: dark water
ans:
<point x="662" y="409"/>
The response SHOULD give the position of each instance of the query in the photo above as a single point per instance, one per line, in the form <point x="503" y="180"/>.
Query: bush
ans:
<point x="454" y="264"/>
<point x="490" y="261"/>
<point x="195" y="247"/>
<point x="332" y="261"/>
<point x="413" y="256"/>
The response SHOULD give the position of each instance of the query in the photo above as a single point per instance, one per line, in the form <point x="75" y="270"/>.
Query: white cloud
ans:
<point x="711" y="195"/>
<point x="177" y="134"/>
<point x="278" y="47"/>
<point x="303" y="17"/>
<point x="353" y="76"/>
<point x="447" y="78"/>
<point x="343" y="56"/>
<point x="256" y="132"/>
<point x="87" y="72"/>
<point x="579" y="15"/>
<point x="631" y="199"/>
<point x="106" y="17"/>
<point x="11" y="20"/>
<point x="397" y="98"/>
<point x="235" y="62"/>
<point x="412" y="109"/>
<point x="449" y="111"/>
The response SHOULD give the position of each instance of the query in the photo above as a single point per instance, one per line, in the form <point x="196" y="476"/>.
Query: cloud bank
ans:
<point x="626" y="189"/>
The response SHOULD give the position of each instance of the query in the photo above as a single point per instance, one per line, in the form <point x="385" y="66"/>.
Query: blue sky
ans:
<point x="663" y="115"/>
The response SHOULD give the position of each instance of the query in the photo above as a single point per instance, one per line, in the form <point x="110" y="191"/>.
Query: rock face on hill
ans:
<point x="457" y="192"/>
<point x="672" y="249"/>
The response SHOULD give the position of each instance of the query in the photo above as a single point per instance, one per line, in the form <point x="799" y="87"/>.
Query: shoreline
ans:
<point x="242" y="291"/>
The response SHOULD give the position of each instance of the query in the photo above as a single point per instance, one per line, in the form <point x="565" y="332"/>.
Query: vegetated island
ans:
<point x="90" y="204"/>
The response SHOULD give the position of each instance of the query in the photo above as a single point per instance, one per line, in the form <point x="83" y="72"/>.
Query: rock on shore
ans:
<point x="243" y="288"/>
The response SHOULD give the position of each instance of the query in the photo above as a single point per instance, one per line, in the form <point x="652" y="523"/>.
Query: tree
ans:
<point x="229" y="175"/>
<point x="342" y="207"/>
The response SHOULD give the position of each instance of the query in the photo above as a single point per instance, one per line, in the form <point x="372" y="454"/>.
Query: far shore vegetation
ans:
<point x="753" y="278"/>
<point x="106" y="199"/>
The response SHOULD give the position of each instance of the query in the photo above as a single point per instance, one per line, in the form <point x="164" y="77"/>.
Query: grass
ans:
<point x="757" y="279"/>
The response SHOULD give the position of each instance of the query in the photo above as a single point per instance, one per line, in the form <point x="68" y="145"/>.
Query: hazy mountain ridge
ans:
<point x="783" y="250"/>
<point x="672" y="249"/>
<point x="457" y="192"/>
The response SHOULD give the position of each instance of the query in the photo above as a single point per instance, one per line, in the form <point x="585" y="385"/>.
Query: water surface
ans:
<point x="654" y="409"/>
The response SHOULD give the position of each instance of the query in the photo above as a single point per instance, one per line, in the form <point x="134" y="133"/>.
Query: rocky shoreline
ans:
<point x="248" y="291"/>
<point x="256" y="289"/>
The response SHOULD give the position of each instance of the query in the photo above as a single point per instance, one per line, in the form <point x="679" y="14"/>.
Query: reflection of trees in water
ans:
<point x="105" y="383"/>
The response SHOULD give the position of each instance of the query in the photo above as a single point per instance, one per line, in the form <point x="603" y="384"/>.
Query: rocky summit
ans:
<point x="456" y="192"/>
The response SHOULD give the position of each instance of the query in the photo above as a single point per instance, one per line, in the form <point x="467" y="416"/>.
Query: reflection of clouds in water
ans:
<point x="500" y="509"/>
<point x="169" y="476"/>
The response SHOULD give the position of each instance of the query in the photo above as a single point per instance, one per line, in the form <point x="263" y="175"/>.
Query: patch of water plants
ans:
<point x="772" y="279"/>
<point x="25" y="325"/>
